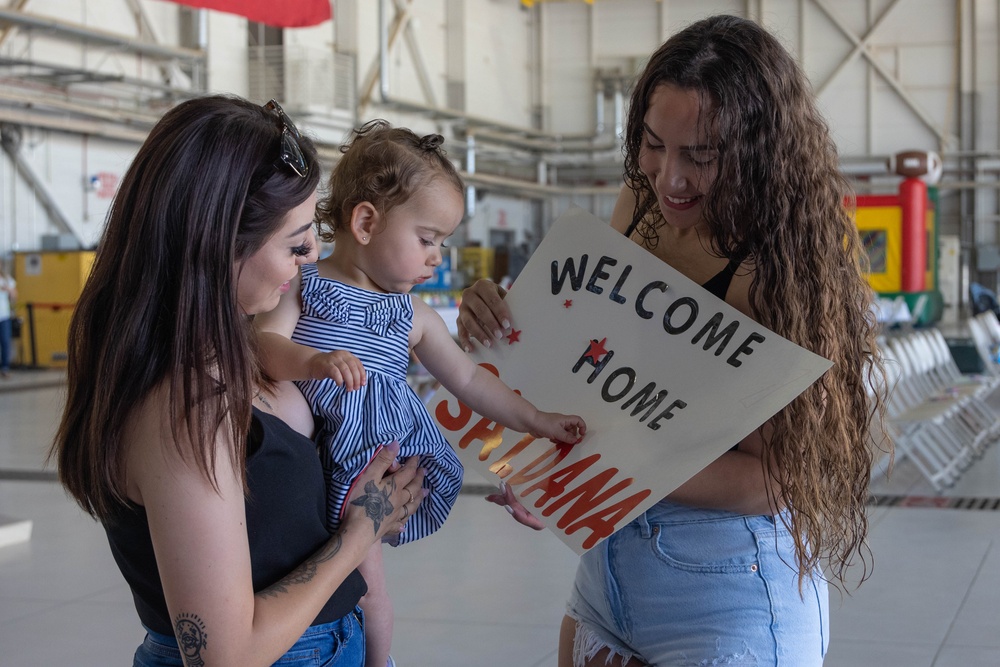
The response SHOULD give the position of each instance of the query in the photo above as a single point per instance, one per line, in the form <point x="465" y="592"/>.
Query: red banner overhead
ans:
<point x="284" y="14"/>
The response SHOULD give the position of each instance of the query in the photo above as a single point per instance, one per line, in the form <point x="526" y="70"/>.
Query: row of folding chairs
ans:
<point x="984" y="329"/>
<point x="938" y="417"/>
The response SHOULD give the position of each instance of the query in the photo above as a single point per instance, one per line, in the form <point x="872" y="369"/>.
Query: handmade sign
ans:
<point x="667" y="377"/>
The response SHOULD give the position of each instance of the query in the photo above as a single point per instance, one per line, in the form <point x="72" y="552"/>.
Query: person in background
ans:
<point x="731" y="177"/>
<point x="8" y="297"/>
<point x="196" y="463"/>
<point x="347" y="327"/>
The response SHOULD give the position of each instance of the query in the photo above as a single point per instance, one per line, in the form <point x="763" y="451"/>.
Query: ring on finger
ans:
<point x="406" y="512"/>
<point x="410" y="494"/>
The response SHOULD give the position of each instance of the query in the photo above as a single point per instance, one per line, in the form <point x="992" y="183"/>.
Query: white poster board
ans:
<point x="667" y="377"/>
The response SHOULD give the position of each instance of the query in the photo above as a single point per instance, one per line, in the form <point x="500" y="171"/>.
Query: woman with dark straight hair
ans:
<point x="731" y="177"/>
<point x="199" y="467"/>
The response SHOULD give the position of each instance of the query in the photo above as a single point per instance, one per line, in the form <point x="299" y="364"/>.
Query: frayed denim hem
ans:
<point x="587" y="644"/>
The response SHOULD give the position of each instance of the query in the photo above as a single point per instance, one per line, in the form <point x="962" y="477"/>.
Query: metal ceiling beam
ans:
<point x="75" y="31"/>
<point x="860" y="46"/>
<point x="145" y="26"/>
<point x="536" y="190"/>
<point x="9" y="30"/>
<point x="378" y="72"/>
<point x="943" y="137"/>
<point x="418" y="59"/>
<point x="402" y="24"/>
<point x="40" y="104"/>
<point x="62" y="74"/>
<point x="10" y="140"/>
<point x="107" y="130"/>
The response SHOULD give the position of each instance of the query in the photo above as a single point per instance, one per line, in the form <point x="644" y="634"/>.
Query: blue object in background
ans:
<point x="442" y="276"/>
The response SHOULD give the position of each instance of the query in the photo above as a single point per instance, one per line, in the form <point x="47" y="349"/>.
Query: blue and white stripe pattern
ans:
<point x="376" y="328"/>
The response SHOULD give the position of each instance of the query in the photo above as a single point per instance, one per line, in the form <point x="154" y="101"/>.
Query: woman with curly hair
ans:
<point x="732" y="179"/>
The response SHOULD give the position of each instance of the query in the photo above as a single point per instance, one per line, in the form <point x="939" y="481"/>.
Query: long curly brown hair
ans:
<point x="780" y="204"/>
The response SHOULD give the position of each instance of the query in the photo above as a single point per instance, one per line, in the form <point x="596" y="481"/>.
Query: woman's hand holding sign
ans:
<point x="485" y="317"/>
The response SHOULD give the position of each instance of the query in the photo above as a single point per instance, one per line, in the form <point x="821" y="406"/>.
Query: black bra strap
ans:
<point x="631" y="228"/>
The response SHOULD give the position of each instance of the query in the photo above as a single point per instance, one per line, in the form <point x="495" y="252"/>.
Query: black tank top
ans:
<point x="286" y="523"/>
<point x="719" y="283"/>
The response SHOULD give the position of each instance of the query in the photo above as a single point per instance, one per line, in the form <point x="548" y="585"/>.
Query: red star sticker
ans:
<point x="567" y="303"/>
<point x="596" y="350"/>
<point x="514" y="336"/>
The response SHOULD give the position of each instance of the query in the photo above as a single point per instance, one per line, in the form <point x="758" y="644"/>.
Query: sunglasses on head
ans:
<point x="289" y="151"/>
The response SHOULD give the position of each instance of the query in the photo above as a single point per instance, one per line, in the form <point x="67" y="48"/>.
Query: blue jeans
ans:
<point x="337" y="644"/>
<point x="685" y="586"/>
<point x="5" y="332"/>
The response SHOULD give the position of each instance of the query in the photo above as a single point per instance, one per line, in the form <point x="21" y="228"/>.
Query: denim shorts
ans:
<point x="337" y="644"/>
<point x="682" y="586"/>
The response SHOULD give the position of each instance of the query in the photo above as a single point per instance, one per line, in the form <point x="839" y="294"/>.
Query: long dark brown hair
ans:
<point x="160" y="304"/>
<point x="780" y="204"/>
<point x="384" y="166"/>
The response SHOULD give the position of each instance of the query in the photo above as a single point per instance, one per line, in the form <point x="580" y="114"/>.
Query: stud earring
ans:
<point x="364" y="238"/>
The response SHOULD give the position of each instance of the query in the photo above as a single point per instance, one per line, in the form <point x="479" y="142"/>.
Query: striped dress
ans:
<point x="376" y="328"/>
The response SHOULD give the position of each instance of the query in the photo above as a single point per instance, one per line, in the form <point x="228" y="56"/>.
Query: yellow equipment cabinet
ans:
<point x="476" y="263"/>
<point x="48" y="286"/>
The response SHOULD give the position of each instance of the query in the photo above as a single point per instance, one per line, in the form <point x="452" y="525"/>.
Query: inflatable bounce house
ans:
<point x="899" y="233"/>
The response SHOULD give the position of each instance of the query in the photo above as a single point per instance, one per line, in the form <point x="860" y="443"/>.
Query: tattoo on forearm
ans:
<point x="191" y="639"/>
<point x="376" y="502"/>
<point x="305" y="572"/>
<point x="328" y="550"/>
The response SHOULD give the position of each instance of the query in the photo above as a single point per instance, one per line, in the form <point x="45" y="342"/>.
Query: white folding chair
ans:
<point x="968" y="416"/>
<point x="985" y="344"/>
<point x="980" y="391"/>
<point x="921" y="429"/>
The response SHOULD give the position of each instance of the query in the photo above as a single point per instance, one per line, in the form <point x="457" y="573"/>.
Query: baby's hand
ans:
<point x="340" y="366"/>
<point x="560" y="428"/>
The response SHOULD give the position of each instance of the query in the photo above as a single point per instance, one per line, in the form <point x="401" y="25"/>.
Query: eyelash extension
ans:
<point x="302" y="250"/>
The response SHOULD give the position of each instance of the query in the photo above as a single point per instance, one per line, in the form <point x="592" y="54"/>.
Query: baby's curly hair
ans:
<point x="384" y="166"/>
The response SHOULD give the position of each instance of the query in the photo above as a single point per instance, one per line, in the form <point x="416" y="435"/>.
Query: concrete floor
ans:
<point x="465" y="597"/>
